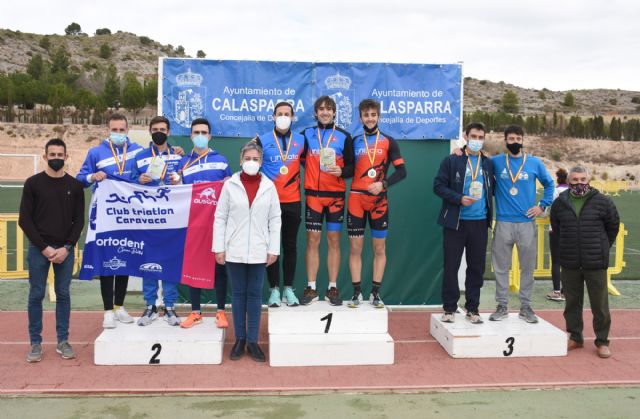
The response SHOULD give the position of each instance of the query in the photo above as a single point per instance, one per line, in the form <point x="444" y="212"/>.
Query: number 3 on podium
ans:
<point x="157" y="348"/>
<point x="510" y="341"/>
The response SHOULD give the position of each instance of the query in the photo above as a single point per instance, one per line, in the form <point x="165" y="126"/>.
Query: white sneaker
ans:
<point x="122" y="316"/>
<point x="109" y="321"/>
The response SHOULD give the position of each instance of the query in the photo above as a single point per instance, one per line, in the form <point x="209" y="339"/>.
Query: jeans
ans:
<point x="246" y="300"/>
<point x="38" y="271"/>
<point x="471" y="237"/>
<point x="150" y="291"/>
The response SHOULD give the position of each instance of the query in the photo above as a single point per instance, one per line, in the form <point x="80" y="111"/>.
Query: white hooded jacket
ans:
<point x="247" y="234"/>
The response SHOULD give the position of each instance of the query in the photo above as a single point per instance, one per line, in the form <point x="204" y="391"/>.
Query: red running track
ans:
<point x="420" y="364"/>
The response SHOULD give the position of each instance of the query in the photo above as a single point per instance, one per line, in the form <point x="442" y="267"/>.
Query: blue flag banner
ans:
<point x="418" y="101"/>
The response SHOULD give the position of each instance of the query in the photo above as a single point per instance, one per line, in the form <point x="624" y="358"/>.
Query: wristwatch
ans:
<point x="68" y="247"/>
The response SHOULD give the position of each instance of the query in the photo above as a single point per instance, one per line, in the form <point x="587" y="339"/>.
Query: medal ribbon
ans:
<point x="116" y="157"/>
<point x="515" y="178"/>
<point x="191" y="163"/>
<point x="286" y="153"/>
<point x="474" y="176"/>
<point x="375" y="147"/>
<point x="328" y="140"/>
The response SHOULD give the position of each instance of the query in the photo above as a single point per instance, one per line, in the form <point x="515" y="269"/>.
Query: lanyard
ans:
<point x="474" y="176"/>
<point x="375" y="147"/>
<point x="328" y="140"/>
<point x="191" y="163"/>
<point x="286" y="154"/>
<point x="514" y="179"/>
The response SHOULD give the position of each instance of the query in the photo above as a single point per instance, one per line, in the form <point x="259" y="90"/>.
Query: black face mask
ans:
<point x="55" y="164"/>
<point x="514" y="148"/>
<point x="159" y="138"/>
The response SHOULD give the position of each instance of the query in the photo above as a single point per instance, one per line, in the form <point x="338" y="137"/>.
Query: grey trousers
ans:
<point x="524" y="236"/>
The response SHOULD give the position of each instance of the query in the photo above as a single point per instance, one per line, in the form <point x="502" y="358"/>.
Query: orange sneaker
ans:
<point x="193" y="319"/>
<point x="221" y="320"/>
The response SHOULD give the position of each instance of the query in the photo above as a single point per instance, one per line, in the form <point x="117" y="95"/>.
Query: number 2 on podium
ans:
<point x="154" y="359"/>
<point x="328" y="318"/>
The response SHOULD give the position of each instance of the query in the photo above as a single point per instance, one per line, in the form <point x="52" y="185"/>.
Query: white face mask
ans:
<point x="283" y="122"/>
<point x="250" y="167"/>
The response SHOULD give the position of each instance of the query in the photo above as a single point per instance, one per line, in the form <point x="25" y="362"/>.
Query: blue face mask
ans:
<point x="475" y="145"/>
<point x="200" y="141"/>
<point x="117" y="138"/>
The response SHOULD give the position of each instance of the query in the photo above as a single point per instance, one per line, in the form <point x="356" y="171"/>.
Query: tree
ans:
<point x="45" y="42"/>
<point x="180" y="50"/>
<point x="34" y="67"/>
<point x="111" y="93"/>
<point x="132" y="94"/>
<point x="615" y="129"/>
<point x="60" y="95"/>
<point x="201" y="54"/>
<point x="568" y="101"/>
<point x="73" y="29"/>
<point x="103" y="31"/>
<point x="510" y="102"/>
<point x="541" y="95"/>
<point x="60" y="61"/>
<point x="151" y="91"/>
<point x="105" y="51"/>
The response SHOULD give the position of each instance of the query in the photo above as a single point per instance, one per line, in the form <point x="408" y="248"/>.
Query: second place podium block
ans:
<point x="321" y="334"/>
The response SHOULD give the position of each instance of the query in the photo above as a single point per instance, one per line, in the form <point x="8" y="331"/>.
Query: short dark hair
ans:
<point x="283" y="103"/>
<point x="474" y="125"/>
<point x="55" y="142"/>
<point x="159" y="120"/>
<point x="201" y="121"/>
<point x="513" y="129"/>
<point x="325" y="100"/>
<point x="369" y="104"/>
<point x="561" y="176"/>
<point x="117" y="117"/>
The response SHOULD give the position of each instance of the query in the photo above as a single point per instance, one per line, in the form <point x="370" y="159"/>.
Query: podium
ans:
<point x="160" y="344"/>
<point x="510" y="337"/>
<point x="321" y="334"/>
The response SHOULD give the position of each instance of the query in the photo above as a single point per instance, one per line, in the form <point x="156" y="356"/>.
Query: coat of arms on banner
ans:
<point x="338" y="87"/>
<point x="190" y="96"/>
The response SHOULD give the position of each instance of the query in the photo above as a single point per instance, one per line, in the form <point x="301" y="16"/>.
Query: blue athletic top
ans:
<point x="477" y="210"/>
<point x="144" y="158"/>
<point x="212" y="167"/>
<point x="101" y="158"/>
<point x="513" y="208"/>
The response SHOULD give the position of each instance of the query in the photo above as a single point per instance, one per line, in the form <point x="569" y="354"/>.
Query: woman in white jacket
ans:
<point x="246" y="237"/>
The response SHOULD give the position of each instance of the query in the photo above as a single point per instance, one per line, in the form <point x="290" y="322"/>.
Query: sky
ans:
<point x="553" y="44"/>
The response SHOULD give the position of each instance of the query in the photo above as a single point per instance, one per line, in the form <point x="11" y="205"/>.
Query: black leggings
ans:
<point x="220" y="286"/>
<point x="290" y="224"/>
<point x="109" y="296"/>
<point x="554" y="248"/>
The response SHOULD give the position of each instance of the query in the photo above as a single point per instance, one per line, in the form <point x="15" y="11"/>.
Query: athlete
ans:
<point x="155" y="166"/>
<point x="205" y="165"/>
<point x="282" y="149"/>
<point x="328" y="158"/>
<point x="112" y="159"/>
<point x="374" y="153"/>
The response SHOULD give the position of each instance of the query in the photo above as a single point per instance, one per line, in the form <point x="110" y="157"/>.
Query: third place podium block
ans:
<point x="160" y="344"/>
<point x="510" y="337"/>
<point x="321" y="334"/>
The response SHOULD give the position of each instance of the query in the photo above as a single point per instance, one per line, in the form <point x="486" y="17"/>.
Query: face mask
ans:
<point x="200" y="141"/>
<point x="283" y="122"/>
<point x="579" y="189"/>
<point x="475" y="145"/>
<point x="514" y="148"/>
<point x="117" y="138"/>
<point x="55" y="164"/>
<point x="250" y="167"/>
<point x="159" y="138"/>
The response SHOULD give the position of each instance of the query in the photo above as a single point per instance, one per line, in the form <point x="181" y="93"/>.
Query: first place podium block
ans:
<point x="510" y="337"/>
<point x="160" y="344"/>
<point x="320" y="334"/>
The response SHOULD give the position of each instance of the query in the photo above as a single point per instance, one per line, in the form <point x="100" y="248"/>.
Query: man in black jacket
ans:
<point x="587" y="224"/>
<point x="465" y="184"/>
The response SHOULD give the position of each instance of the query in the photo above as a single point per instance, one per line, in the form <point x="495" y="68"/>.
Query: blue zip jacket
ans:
<point x="210" y="168"/>
<point x="100" y="158"/>
<point x="144" y="158"/>
<point x="514" y="209"/>
<point x="449" y="185"/>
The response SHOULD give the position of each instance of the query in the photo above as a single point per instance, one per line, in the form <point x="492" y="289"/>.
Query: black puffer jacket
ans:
<point x="585" y="241"/>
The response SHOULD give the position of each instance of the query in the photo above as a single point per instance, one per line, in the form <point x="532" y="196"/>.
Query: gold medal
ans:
<point x="513" y="191"/>
<point x="284" y="170"/>
<point x="372" y="173"/>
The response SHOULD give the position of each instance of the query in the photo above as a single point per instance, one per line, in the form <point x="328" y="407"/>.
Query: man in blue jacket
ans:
<point x="465" y="184"/>
<point x="516" y="173"/>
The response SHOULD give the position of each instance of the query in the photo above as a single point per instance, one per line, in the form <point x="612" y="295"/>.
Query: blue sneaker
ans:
<point x="274" y="298"/>
<point x="290" y="297"/>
